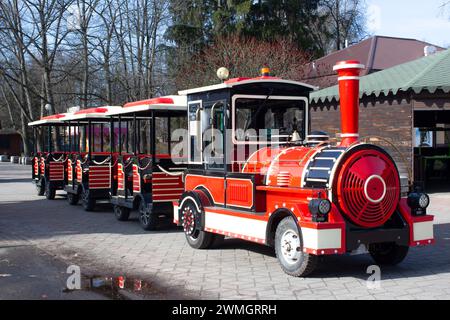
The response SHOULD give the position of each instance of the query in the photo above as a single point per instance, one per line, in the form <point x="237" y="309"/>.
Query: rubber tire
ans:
<point x="88" y="202"/>
<point x="152" y="220"/>
<point x="389" y="253"/>
<point x="73" y="198"/>
<point x="121" y="213"/>
<point x="306" y="264"/>
<point x="50" y="192"/>
<point x="203" y="239"/>
<point x="41" y="188"/>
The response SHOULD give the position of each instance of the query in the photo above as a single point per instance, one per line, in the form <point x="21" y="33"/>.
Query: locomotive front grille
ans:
<point x="368" y="186"/>
<point x="363" y="182"/>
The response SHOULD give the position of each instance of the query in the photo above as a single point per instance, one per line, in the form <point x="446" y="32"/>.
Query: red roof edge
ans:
<point x="236" y="80"/>
<point x="53" y="117"/>
<point x="160" y="100"/>
<point x="92" y="110"/>
<point x="266" y="78"/>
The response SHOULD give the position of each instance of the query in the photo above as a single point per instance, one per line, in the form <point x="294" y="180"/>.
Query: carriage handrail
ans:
<point x="60" y="159"/>
<point x="146" y="167"/>
<point x="128" y="162"/>
<point x="174" y="174"/>
<point x="85" y="159"/>
<point x="102" y="162"/>
<point x="115" y="162"/>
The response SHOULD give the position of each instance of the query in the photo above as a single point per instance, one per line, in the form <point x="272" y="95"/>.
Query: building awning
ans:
<point x="428" y="73"/>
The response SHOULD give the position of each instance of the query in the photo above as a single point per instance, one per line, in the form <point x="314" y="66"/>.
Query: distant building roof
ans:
<point x="376" y="53"/>
<point x="428" y="73"/>
<point x="8" y="132"/>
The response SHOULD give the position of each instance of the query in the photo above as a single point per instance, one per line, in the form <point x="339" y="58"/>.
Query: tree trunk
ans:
<point x="25" y="135"/>
<point x="338" y="29"/>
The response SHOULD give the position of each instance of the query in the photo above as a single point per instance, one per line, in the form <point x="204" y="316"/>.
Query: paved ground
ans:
<point x="27" y="272"/>
<point x="235" y="270"/>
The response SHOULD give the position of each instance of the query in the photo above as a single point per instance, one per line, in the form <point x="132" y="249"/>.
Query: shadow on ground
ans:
<point x="15" y="180"/>
<point x="67" y="220"/>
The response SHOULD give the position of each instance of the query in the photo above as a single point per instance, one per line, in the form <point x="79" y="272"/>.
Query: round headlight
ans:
<point x="424" y="201"/>
<point x="324" y="206"/>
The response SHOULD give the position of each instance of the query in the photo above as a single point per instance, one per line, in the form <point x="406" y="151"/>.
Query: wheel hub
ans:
<point x="145" y="216"/>
<point x="290" y="247"/>
<point x="188" y="221"/>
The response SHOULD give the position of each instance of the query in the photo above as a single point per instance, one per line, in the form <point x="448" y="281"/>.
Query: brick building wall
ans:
<point x="390" y="118"/>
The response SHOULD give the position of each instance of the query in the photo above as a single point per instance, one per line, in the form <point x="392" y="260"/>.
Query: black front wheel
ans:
<point x="40" y="188"/>
<point x="50" y="192"/>
<point x="388" y="253"/>
<point x="289" y="250"/>
<point x="121" y="213"/>
<point x="196" y="238"/>
<point x="148" y="219"/>
<point x="73" y="198"/>
<point x="87" y="200"/>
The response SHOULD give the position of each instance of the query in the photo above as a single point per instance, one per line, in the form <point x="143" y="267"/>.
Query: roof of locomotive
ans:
<point x="166" y="103"/>
<point x="234" y="82"/>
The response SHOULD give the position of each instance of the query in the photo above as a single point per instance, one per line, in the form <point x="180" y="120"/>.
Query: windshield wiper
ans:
<point x="261" y="107"/>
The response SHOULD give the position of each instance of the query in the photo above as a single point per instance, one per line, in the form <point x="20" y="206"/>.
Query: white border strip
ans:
<point x="348" y="66"/>
<point x="348" y="78"/>
<point x="349" y="135"/>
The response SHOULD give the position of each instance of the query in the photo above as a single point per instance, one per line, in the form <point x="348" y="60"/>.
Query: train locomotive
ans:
<point x="298" y="193"/>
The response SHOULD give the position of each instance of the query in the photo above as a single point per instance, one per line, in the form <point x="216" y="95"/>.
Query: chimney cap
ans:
<point x="348" y="64"/>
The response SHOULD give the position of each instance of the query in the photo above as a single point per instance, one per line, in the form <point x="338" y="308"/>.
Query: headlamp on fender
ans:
<point x="418" y="202"/>
<point x="319" y="208"/>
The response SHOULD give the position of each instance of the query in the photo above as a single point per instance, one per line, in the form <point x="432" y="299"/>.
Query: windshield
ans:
<point x="268" y="119"/>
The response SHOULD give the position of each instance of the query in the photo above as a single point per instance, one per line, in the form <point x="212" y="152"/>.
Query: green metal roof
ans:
<point x="427" y="73"/>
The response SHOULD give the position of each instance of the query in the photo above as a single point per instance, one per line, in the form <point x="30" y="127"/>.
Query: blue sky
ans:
<point x="420" y="19"/>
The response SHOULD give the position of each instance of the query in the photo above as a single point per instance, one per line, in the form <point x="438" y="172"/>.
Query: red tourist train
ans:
<point x="249" y="169"/>
<point x="300" y="194"/>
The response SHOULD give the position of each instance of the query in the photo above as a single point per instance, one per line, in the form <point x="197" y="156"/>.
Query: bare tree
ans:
<point x="444" y="8"/>
<point x="344" y="22"/>
<point x="244" y="57"/>
<point x="107" y="54"/>
<point x="14" y="68"/>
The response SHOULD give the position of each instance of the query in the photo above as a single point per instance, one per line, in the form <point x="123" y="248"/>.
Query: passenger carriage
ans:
<point x="91" y="169"/>
<point x="49" y="163"/>
<point x="149" y="178"/>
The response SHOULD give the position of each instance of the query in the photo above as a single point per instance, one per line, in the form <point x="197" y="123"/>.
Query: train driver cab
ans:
<point x="230" y="121"/>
